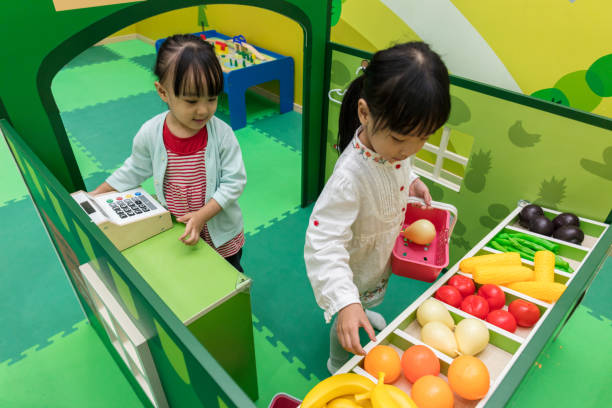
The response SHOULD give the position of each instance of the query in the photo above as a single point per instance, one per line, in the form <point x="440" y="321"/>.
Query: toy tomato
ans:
<point x="464" y="284"/>
<point x="476" y="306"/>
<point x="502" y="318"/>
<point x="496" y="298"/>
<point x="525" y="313"/>
<point x="450" y="295"/>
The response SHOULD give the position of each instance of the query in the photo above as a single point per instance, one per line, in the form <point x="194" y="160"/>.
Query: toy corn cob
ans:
<point x="469" y="265"/>
<point x="546" y="291"/>
<point x="501" y="274"/>
<point x="544" y="266"/>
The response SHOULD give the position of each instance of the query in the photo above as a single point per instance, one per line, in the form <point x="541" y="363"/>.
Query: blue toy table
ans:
<point x="237" y="79"/>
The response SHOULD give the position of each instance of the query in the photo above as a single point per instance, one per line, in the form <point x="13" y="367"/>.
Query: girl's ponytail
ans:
<point x="348" y="121"/>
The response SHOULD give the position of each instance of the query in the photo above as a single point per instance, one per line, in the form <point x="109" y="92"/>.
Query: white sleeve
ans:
<point x="412" y="175"/>
<point x="326" y="249"/>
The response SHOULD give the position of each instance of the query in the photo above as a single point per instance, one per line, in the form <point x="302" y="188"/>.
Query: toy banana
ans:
<point x="380" y="397"/>
<point x="400" y="397"/>
<point x="334" y="387"/>
<point x="343" y="402"/>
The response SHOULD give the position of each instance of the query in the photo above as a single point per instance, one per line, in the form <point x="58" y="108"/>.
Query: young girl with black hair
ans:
<point x="386" y="116"/>
<point x="193" y="156"/>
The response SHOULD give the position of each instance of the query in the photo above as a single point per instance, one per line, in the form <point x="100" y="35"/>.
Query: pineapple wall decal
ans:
<point x="457" y="238"/>
<point x="551" y="193"/>
<point x="479" y="166"/>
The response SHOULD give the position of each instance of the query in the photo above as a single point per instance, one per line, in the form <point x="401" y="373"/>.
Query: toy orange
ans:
<point x="468" y="377"/>
<point x="418" y="361"/>
<point x="383" y="359"/>
<point x="432" y="392"/>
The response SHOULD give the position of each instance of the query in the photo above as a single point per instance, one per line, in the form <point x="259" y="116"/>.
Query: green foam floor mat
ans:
<point x="278" y="374"/>
<point x="105" y="132"/>
<point x="87" y="163"/>
<point x="74" y="371"/>
<point x="104" y="82"/>
<point x="284" y="129"/>
<point x="273" y="179"/>
<point x="131" y="48"/>
<point x="93" y="55"/>
<point x="571" y="371"/>
<point x="36" y="299"/>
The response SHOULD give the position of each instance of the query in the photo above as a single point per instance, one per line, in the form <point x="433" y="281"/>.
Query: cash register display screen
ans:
<point x="87" y="207"/>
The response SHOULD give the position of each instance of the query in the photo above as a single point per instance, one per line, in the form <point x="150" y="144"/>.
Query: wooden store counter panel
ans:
<point x="207" y="294"/>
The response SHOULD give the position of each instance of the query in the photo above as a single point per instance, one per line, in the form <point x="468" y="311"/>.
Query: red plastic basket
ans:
<point x="419" y="261"/>
<point x="282" y="400"/>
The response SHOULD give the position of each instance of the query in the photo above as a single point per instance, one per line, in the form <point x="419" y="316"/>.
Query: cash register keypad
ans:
<point x="131" y="205"/>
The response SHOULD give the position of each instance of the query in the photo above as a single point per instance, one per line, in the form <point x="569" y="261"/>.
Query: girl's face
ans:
<point x="390" y="145"/>
<point x="188" y="113"/>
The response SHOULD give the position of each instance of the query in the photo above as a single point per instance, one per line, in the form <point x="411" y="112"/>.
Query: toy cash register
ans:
<point x="126" y="218"/>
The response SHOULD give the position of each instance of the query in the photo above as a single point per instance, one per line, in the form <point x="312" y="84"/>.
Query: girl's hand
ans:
<point x="350" y="319"/>
<point x="420" y="190"/>
<point x="195" y="222"/>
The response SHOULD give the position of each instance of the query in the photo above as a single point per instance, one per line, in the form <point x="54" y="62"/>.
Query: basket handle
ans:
<point x="442" y="206"/>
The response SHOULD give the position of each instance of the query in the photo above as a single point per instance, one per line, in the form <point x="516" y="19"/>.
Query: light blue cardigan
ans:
<point x="225" y="173"/>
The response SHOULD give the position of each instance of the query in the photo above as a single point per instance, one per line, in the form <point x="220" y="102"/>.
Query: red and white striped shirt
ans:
<point x="185" y="182"/>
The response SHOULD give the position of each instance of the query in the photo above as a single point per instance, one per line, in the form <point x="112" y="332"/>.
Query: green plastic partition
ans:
<point x="190" y="376"/>
<point x="520" y="148"/>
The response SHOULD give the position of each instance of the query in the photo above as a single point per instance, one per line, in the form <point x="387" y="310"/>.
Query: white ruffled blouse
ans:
<point x="353" y="227"/>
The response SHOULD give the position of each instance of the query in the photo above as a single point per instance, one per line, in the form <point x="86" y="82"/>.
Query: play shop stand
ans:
<point x="508" y="356"/>
<point x="209" y="296"/>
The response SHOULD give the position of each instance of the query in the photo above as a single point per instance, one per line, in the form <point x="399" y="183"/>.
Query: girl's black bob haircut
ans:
<point x="406" y="88"/>
<point x="191" y="64"/>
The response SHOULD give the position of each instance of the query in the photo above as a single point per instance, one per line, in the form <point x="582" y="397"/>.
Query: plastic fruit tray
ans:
<point x="508" y="356"/>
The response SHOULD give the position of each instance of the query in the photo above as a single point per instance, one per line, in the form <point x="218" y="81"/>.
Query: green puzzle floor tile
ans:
<point x="285" y="128"/>
<point x="87" y="163"/>
<point x="89" y="85"/>
<point x="273" y="178"/>
<point x="277" y="374"/>
<point x="131" y="48"/>
<point x="74" y="371"/>
<point x="597" y="297"/>
<point x="571" y="371"/>
<point x="274" y="259"/>
<point x="93" y="55"/>
<point x="12" y="187"/>
<point x="106" y="131"/>
<point x="36" y="299"/>
<point x="146" y="61"/>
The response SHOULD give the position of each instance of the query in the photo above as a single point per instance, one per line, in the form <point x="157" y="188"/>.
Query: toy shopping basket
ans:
<point x="423" y="262"/>
<point x="282" y="400"/>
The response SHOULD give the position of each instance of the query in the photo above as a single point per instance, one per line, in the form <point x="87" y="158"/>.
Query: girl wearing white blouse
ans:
<point x="387" y="114"/>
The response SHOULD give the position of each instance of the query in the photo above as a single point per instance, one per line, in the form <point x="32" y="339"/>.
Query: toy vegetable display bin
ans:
<point x="424" y="262"/>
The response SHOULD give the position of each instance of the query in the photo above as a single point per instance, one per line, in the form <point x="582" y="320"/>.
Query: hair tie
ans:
<point x="363" y="66"/>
